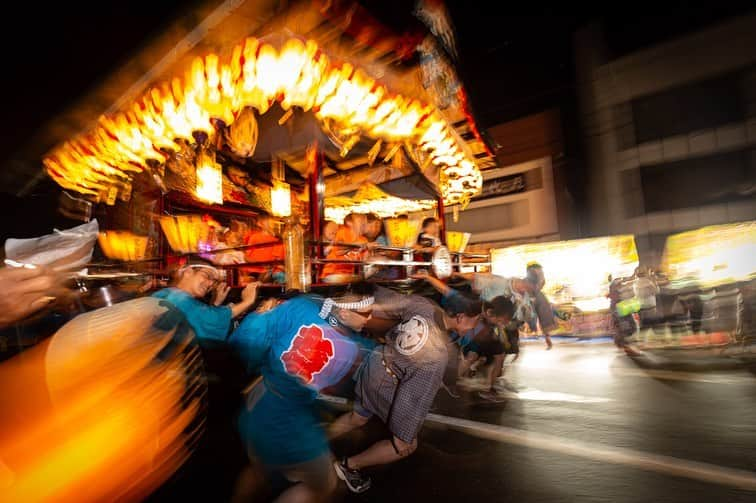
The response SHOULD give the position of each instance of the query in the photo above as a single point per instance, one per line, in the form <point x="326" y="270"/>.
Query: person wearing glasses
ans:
<point x="196" y="280"/>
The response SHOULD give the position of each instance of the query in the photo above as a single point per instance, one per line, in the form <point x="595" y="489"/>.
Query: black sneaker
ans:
<point x="355" y="481"/>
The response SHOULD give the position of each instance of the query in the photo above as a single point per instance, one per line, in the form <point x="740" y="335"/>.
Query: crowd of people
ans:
<point x="306" y="345"/>
<point x="360" y="236"/>
<point x="365" y="237"/>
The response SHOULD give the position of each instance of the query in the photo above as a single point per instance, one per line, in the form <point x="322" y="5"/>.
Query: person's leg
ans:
<point x="251" y="485"/>
<point x="547" y="336"/>
<point x="466" y="363"/>
<point x="497" y="370"/>
<point x="545" y="313"/>
<point x="381" y="453"/>
<point x="346" y="423"/>
<point x="314" y="480"/>
<point x="513" y="339"/>
<point x="491" y="393"/>
<point x="300" y="493"/>
<point x="451" y="371"/>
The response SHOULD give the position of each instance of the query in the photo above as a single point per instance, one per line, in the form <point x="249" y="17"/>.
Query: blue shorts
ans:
<point x="281" y="432"/>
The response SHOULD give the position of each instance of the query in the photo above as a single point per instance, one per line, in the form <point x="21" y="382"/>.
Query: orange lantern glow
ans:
<point x="457" y="241"/>
<point x="209" y="178"/>
<point x="185" y="232"/>
<point x="280" y="199"/>
<point x="295" y="73"/>
<point x="401" y="232"/>
<point x="123" y="245"/>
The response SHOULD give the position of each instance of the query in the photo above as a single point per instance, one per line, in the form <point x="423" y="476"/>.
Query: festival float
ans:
<point x="238" y="151"/>
<point x="233" y="140"/>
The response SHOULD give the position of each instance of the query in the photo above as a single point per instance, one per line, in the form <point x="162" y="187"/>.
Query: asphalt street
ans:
<point x="581" y="422"/>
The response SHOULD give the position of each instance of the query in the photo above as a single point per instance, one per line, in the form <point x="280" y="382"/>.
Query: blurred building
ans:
<point x="669" y="132"/>
<point x="525" y="197"/>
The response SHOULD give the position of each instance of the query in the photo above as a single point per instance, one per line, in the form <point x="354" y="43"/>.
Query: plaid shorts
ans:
<point x="400" y="397"/>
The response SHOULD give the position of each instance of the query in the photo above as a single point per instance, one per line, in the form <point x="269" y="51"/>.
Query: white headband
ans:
<point x="329" y="304"/>
<point x="200" y="266"/>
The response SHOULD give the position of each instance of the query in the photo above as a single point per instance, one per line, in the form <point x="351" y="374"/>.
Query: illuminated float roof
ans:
<point x="293" y="72"/>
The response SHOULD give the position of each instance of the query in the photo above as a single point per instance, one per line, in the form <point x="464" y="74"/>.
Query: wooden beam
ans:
<point x="351" y="180"/>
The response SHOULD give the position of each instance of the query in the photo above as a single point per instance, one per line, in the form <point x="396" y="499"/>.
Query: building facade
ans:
<point x="669" y="133"/>
<point x="525" y="198"/>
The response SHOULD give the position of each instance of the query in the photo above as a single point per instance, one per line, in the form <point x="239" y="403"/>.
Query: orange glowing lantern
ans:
<point x="185" y="233"/>
<point x="280" y="199"/>
<point x="213" y="90"/>
<point x="402" y="232"/>
<point x="123" y="245"/>
<point x="209" y="178"/>
<point x="457" y="241"/>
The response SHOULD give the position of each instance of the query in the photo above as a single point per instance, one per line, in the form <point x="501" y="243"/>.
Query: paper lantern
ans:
<point x="280" y="199"/>
<point x="123" y="245"/>
<point x="457" y="241"/>
<point x="209" y="179"/>
<point x="441" y="263"/>
<point x="185" y="233"/>
<point x="401" y="232"/>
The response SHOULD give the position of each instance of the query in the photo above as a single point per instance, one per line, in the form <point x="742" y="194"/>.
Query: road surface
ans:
<point x="583" y="423"/>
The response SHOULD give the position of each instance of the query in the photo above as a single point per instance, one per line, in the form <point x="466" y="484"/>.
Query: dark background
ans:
<point x="515" y="59"/>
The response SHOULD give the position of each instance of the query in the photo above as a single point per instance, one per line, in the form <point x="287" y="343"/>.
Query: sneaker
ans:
<point x="355" y="481"/>
<point x="491" y="396"/>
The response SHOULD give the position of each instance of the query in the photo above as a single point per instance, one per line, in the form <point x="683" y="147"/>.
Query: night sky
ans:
<point x="515" y="59"/>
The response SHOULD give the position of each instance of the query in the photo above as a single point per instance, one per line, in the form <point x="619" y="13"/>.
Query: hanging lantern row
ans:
<point x="123" y="245"/>
<point x="185" y="233"/>
<point x="103" y="162"/>
<point x="384" y="207"/>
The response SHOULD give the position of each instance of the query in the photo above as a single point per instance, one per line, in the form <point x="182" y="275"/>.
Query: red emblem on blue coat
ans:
<point x="308" y="353"/>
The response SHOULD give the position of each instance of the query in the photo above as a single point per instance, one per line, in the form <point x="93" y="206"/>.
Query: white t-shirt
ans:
<point x="490" y="286"/>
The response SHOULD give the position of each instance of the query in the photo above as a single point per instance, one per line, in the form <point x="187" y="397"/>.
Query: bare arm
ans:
<point x="521" y="286"/>
<point x="26" y="291"/>
<point x="469" y="276"/>
<point x="220" y="294"/>
<point x="249" y="296"/>
<point x="436" y="283"/>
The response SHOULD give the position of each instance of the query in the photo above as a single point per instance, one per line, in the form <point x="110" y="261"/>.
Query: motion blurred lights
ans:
<point x="105" y="410"/>
<point x="712" y="255"/>
<point x="123" y="245"/>
<point x="209" y="178"/>
<point x="371" y="199"/>
<point x="280" y="199"/>
<point x="185" y="233"/>
<point x="213" y="91"/>
<point x="576" y="271"/>
<point x="385" y="208"/>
